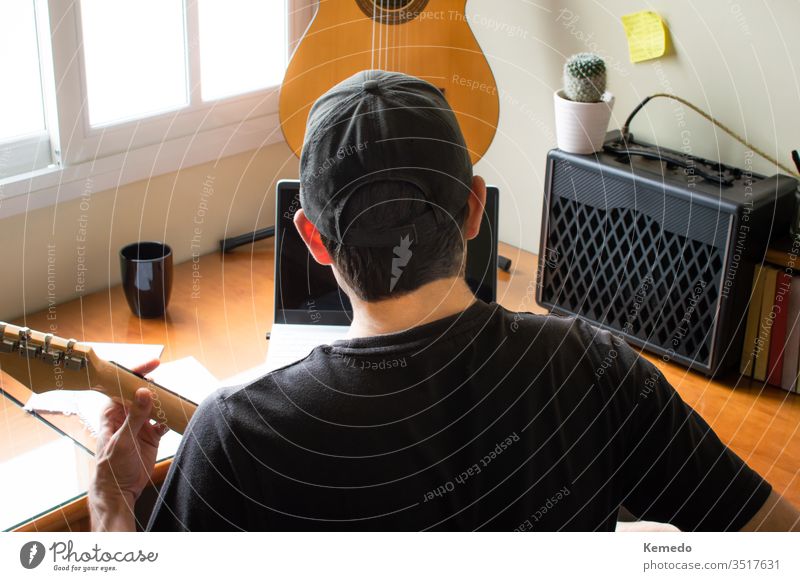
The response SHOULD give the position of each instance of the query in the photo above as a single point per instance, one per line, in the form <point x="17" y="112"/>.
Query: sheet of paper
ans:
<point x="127" y="354"/>
<point x="186" y="377"/>
<point x="647" y="35"/>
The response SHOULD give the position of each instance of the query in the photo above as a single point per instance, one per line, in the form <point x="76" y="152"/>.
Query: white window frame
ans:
<point x="100" y="158"/>
<point x="17" y="154"/>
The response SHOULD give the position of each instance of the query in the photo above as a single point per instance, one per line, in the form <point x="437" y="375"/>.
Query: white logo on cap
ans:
<point x="402" y="254"/>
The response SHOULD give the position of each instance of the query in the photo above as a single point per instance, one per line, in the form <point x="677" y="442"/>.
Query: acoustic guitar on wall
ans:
<point x="429" y="39"/>
<point x="44" y="362"/>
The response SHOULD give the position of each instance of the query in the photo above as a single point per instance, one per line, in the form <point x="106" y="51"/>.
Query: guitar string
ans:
<point x="391" y="51"/>
<point x="394" y="46"/>
<point x="399" y="47"/>
<point x="380" y="38"/>
<point x="404" y="35"/>
<point x="404" y="62"/>
<point x="385" y="19"/>
<point x="394" y="37"/>
<point x="394" y="42"/>
<point x="386" y="31"/>
<point x="377" y="26"/>
<point x="386" y="41"/>
<point x="372" y="46"/>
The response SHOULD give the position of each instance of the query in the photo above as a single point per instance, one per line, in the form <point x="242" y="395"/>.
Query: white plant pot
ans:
<point x="581" y="127"/>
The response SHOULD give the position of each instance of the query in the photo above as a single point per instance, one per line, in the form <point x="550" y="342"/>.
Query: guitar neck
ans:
<point x="44" y="362"/>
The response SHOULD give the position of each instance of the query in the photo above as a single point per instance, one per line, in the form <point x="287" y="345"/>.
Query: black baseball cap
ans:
<point x="380" y="126"/>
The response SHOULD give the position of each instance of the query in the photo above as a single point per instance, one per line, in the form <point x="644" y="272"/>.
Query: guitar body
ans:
<point x="429" y="39"/>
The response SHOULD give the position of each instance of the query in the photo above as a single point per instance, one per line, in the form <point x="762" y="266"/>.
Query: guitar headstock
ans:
<point x="44" y="361"/>
<point x="45" y="346"/>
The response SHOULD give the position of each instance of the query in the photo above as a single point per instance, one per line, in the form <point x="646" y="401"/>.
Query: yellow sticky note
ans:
<point x="647" y="35"/>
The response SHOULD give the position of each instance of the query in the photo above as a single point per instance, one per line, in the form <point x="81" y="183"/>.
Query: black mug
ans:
<point x="146" y="277"/>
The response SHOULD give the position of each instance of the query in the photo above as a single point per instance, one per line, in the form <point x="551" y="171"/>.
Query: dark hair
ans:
<point x="373" y="273"/>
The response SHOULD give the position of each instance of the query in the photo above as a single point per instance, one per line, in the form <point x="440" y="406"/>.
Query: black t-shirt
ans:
<point x="488" y="420"/>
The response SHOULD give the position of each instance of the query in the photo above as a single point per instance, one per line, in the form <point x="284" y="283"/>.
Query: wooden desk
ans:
<point x="222" y="306"/>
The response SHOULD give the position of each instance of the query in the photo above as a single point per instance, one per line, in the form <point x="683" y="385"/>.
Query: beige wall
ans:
<point x="734" y="59"/>
<point x="44" y="250"/>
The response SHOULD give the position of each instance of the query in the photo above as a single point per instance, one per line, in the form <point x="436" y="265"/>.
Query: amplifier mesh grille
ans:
<point x="620" y="268"/>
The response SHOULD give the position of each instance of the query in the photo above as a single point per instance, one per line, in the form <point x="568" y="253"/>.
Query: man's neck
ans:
<point x="436" y="300"/>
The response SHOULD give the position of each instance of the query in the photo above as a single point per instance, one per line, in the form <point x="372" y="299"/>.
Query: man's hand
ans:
<point x="126" y="453"/>
<point x="646" y="526"/>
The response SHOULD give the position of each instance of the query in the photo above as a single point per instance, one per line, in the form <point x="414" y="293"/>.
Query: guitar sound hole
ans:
<point x="392" y="11"/>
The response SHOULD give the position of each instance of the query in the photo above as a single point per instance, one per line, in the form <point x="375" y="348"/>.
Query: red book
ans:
<point x="777" y="346"/>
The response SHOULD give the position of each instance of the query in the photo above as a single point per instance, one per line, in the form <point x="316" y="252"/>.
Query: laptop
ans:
<point x="311" y="309"/>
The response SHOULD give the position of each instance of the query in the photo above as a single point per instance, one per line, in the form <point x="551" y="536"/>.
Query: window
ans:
<point x="135" y="58"/>
<point x="242" y="32"/>
<point x="143" y="87"/>
<point x="25" y="141"/>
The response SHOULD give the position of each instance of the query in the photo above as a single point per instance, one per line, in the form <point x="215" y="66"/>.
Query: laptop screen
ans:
<point x="307" y="293"/>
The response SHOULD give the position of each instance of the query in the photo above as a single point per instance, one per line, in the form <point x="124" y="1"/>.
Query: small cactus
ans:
<point x="585" y="78"/>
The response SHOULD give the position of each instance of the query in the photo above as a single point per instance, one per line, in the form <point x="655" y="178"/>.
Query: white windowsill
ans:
<point x="47" y="187"/>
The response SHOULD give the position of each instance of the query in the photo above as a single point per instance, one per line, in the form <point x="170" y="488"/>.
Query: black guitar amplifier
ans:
<point x="658" y="246"/>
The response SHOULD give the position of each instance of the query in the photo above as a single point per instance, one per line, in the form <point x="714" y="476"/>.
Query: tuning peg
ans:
<point x="73" y="362"/>
<point x="51" y="357"/>
<point x="26" y="348"/>
<point x="6" y="345"/>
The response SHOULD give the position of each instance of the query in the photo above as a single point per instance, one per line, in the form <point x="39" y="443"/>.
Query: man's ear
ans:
<point x="476" y="202"/>
<point x="310" y="235"/>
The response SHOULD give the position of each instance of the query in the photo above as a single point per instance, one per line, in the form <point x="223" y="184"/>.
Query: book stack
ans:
<point x="771" y="351"/>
